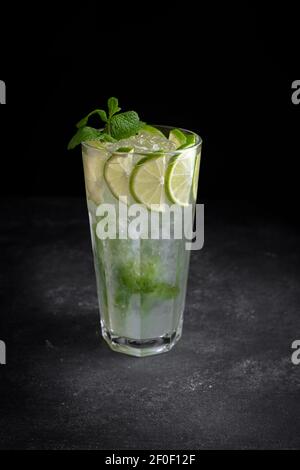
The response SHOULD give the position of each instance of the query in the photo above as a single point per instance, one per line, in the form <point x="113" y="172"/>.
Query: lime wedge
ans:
<point x="178" y="137"/>
<point x="196" y="176"/>
<point x="147" y="182"/>
<point x="117" y="172"/>
<point x="152" y="130"/>
<point x="190" y="140"/>
<point x="179" y="178"/>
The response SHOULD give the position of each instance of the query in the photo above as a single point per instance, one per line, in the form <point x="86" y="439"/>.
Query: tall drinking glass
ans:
<point x="141" y="279"/>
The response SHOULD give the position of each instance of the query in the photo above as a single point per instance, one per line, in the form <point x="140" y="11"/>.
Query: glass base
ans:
<point x="141" y="347"/>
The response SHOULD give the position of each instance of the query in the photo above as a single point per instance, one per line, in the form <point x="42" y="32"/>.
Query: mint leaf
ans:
<point x="83" y="134"/>
<point x="101" y="112"/>
<point x="106" y="137"/>
<point x="124" y="125"/>
<point x="113" y="106"/>
<point x="118" y="126"/>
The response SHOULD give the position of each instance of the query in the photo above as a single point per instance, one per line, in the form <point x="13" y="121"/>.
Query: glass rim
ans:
<point x="198" y="143"/>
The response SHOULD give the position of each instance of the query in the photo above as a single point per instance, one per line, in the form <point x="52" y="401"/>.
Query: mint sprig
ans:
<point x="117" y="125"/>
<point x="113" y="106"/>
<point x="124" y="125"/>
<point x="88" y="133"/>
<point x="83" y="122"/>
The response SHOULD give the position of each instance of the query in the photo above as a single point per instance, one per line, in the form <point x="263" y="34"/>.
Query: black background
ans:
<point x="223" y="70"/>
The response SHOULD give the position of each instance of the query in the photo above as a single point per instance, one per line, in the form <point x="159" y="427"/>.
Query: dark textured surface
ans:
<point x="229" y="383"/>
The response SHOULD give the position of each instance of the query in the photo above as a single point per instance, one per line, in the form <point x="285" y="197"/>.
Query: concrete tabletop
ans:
<point x="228" y="383"/>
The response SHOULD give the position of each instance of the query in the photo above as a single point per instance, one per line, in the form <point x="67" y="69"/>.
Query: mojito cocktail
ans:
<point x="142" y="275"/>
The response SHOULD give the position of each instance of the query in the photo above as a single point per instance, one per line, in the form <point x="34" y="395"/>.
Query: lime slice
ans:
<point x="178" y="137"/>
<point x="196" y="176"/>
<point x="179" y="178"/>
<point x="93" y="165"/>
<point x="124" y="150"/>
<point x="147" y="182"/>
<point x="96" y="143"/>
<point x="94" y="191"/>
<point x="117" y="172"/>
<point x="152" y="130"/>
<point x="190" y="140"/>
